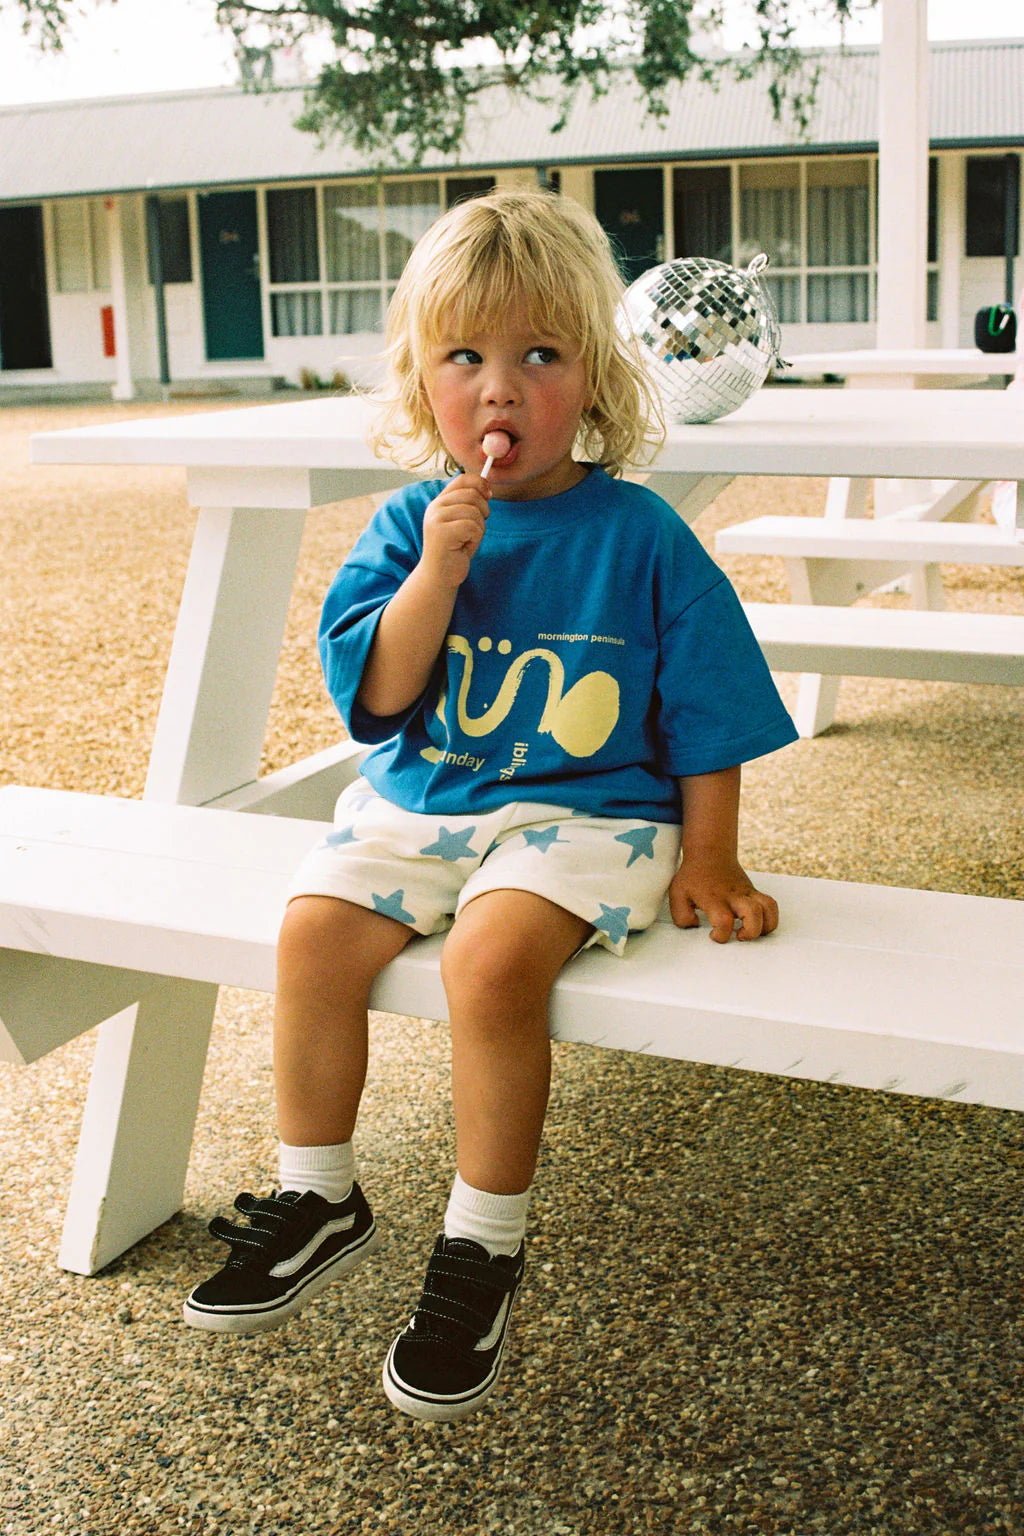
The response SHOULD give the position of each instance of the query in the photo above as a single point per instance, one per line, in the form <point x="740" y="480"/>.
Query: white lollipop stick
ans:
<point x="496" y="445"/>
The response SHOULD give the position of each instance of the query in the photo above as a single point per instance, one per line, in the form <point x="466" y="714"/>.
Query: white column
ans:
<point x="124" y="386"/>
<point x="903" y="173"/>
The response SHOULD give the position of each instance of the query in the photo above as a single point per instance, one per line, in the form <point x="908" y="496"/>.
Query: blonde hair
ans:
<point x="549" y="254"/>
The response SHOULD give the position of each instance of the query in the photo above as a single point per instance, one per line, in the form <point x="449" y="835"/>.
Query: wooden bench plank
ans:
<point x="864" y="984"/>
<point x="873" y="539"/>
<point x="891" y="642"/>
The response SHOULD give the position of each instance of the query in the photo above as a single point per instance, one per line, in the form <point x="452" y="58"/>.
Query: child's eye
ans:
<point x="465" y="356"/>
<point x="542" y="355"/>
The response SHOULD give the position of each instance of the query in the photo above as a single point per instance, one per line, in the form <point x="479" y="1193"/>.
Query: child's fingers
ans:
<point x="684" y="913"/>
<point x="758" y="914"/>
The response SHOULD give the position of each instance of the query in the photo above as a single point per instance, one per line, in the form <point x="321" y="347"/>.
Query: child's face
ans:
<point x="515" y="380"/>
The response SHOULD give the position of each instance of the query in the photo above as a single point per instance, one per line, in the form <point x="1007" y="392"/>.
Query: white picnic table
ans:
<point x="895" y="367"/>
<point x="254" y="472"/>
<point x="129" y="914"/>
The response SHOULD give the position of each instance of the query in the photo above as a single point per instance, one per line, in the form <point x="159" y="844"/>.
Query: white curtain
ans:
<point x="770" y="222"/>
<point x="296" y="314"/>
<point x="355" y="309"/>
<point x="838" y="235"/>
<point x="352" y="232"/>
<point x="410" y="207"/>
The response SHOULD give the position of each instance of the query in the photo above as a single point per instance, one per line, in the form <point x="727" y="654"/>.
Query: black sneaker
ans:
<point x="447" y="1361"/>
<point x="294" y="1245"/>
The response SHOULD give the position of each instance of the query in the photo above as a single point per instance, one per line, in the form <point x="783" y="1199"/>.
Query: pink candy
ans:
<point x="496" y="444"/>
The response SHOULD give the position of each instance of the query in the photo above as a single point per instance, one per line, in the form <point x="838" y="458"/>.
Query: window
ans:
<point x="770" y="222"/>
<point x="293" y="241"/>
<point x="458" y="188"/>
<point x="838" y="238"/>
<point x="175" y="241"/>
<point x="352" y="242"/>
<point x="337" y="250"/>
<point x="71" y="240"/>
<point x="992" y="197"/>
<point x="410" y="207"/>
<point x="702" y="211"/>
<point x="81" y="248"/>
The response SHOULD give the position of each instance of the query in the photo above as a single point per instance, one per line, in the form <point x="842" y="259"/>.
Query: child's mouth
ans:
<point x="494" y="445"/>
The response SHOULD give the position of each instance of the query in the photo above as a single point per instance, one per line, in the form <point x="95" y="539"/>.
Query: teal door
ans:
<point x="630" y="205"/>
<point x="229" y="251"/>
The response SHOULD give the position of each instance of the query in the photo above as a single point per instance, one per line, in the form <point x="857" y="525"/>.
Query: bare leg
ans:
<point x="499" y="964"/>
<point x="329" y="955"/>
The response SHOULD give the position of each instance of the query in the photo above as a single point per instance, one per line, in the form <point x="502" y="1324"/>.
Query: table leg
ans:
<point x="688" y="494"/>
<point x="220" y="678"/>
<point x="140" y="1113"/>
<point x="818" y="696"/>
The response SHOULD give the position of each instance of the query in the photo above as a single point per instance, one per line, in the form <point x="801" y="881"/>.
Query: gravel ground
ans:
<point x="753" y="1305"/>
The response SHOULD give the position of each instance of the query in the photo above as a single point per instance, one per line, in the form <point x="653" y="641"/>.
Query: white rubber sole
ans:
<point x="274" y="1314"/>
<point x="441" y="1410"/>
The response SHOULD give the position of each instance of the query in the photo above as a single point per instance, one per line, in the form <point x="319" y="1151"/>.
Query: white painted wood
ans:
<point x="688" y="494"/>
<point x="46" y="1001"/>
<point x="838" y="936"/>
<point x="137" y="1127"/>
<point x="220" y="679"/>
<point x="873" y="986"/>
<point x="872" y="539"/>
<point x="816" y="702"/>
<point x="902" y="173"/>
<point x="891" y="642"/>
<point x="885" y="363"/>
<point x="124" y="385"/>
<point x="835" y="561"/>
<point x="308" y="789"/>
<point x="287" y="486"/>
<point x="846" y="497"/>
<point x="935" y="434"/>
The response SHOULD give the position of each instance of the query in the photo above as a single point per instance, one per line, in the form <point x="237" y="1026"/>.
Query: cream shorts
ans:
<point x="422" y="870"/>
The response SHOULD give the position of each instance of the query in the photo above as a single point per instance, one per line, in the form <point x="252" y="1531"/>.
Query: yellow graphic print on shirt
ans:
<point x="581" y="719"/>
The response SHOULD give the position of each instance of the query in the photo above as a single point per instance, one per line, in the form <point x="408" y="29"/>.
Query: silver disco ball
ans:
<point x="707" y="331"/>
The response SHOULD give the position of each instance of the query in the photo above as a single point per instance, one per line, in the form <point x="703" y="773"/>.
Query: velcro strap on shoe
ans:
<point x="494" y="1278"/>
<point x="451" y="1310"/>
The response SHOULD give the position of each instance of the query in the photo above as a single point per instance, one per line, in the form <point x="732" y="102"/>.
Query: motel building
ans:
<point x="199" y="239"/>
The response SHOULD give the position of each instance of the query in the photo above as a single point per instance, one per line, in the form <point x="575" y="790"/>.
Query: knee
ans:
<point x="312" y="942"/>
<point x="491" y="975"/>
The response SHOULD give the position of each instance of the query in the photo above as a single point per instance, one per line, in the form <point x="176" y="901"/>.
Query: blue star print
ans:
<point x="640" y="841"/>
<point x="340" y="838"/>
<point x="543" y="840"/>
<point x="391" y="906"/>
<point x="451" y="845"/>
<point x="614" y="921"/>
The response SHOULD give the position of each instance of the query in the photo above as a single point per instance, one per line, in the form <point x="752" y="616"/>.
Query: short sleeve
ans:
<point x="383" y="557"/>
<point x="717" y="703"/>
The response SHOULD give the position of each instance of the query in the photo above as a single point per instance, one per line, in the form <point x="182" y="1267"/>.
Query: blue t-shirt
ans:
<point x="596" y="653"/>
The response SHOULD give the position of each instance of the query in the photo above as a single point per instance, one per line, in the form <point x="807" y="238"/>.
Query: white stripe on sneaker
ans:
<point x="293" y="1265"/>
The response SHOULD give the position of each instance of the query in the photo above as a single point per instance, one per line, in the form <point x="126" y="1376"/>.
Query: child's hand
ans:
<point x="453" y="527"/>
<point x="716" y="884"/>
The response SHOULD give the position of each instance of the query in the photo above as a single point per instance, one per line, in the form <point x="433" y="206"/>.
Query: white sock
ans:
<point x="497" y="1222"/>
<point x="329" y="1171"/>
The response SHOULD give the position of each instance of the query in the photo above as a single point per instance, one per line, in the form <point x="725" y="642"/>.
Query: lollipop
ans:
<point x="495" y="445"/>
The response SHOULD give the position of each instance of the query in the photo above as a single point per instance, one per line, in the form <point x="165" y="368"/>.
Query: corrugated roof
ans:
<point x="231" y="137"/>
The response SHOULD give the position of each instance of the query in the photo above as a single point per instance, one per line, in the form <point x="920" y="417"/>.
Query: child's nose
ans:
<point x="501" y="386"/>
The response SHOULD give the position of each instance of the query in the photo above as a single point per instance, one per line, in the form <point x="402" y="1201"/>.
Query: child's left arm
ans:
<point x="710" y="875"/>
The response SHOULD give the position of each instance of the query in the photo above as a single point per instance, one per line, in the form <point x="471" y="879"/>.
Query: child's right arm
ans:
<point x="414" y="624"/>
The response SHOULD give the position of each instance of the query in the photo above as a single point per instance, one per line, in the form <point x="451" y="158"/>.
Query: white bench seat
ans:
<point x="891" y="642"/>
<point x="913" y="991"/>
<point x="859" y="538"/>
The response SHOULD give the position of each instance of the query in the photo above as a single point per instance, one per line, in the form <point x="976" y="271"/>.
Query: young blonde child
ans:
<point x="558" y="686"/>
